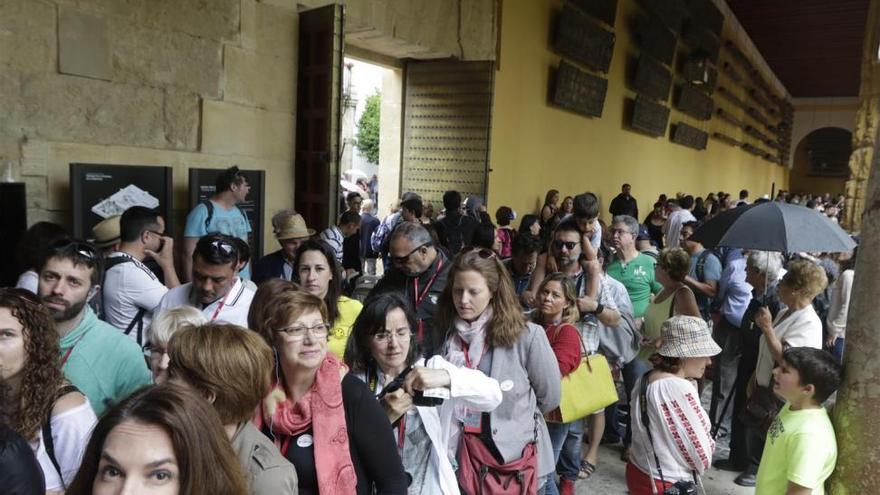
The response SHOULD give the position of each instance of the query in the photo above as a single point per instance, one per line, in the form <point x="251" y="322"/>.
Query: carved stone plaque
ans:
<point x="655" y="39"/>
<point x="694" y="102"/>
<point x="652" y="79"/>
<point x="670" y="12"/>
<point x="579" y="38"/>
<point x="579" y="91"/>
<point x="689" y="136"/>
<point x="650" y="117"/>
<point x="604" y="10"/>
<point x="702" y="75"/>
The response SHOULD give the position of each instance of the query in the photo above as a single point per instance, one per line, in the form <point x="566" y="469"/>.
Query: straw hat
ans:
<point x="687" y="337"/>
<point x="106" y="232"/>
<point x="290" y="225"/>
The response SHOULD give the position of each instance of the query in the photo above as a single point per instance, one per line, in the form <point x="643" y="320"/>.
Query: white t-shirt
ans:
<point x="230" y="309"/>
<point x="71" y="431"/>
<point x="129" y="287"/>
<point x="803" y="328"/>
<point x="28" y="280"/>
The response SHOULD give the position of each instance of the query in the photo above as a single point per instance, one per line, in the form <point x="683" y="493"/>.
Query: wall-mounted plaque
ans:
<point x="689" y="136"/>
<point x="655" y="39"/>
<point x="100" y="191"/>
<point x="701" y="74"/>
<point x="701" y="39"/>
<point x="672" y="13"/>
<point x="652" y="78"/>
<point x="579" y="91"/>
<point x="579" y="38"/>
<point x="649" y="117"/>
<point x="694" y="102"/>
<point x="706" y="14"/>
<point x="604" y="10"/>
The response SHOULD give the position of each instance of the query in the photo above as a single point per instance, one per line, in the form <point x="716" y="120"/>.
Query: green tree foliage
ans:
<point x="368" y="128"/>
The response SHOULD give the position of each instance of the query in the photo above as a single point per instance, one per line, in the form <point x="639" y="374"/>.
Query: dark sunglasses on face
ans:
<point x="399" y="260"/>
<point x="569" y="245"/>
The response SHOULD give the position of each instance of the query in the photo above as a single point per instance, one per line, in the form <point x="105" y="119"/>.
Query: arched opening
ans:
<point x="821" y="162"/>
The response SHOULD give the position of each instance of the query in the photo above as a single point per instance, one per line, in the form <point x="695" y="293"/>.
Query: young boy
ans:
<point x="801" y="450"/>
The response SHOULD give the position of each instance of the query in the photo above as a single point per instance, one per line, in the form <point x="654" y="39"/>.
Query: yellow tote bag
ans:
<point x="587" y="389"/>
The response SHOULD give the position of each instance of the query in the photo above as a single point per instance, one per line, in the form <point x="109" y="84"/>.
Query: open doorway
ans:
<point x="370" y="143"/>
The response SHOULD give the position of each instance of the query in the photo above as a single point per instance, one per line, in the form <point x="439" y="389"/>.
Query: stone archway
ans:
<point x="820" y="162"/>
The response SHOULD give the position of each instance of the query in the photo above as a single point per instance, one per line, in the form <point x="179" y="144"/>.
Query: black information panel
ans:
<point x="100" y="191"/>
<point x="202" y="185"/>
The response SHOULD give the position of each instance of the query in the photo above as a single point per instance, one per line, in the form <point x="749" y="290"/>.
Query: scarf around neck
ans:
<point x="321" y="410"/>
<point x="474" y="337"/>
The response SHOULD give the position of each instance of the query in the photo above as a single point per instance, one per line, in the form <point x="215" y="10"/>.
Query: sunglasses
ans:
<point x="481" y="252"/>
<point x="399" y="260"/>
<point x="224" y="247"/>
<point x="569" y="245"/>
<point x="85" y="250"/>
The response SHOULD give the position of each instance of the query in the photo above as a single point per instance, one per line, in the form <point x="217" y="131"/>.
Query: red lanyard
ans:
<point x="418" y="298"/>
<point x="467" y="358"/>
<point x="220" y="306"/>
<point x="70" y="350"/>
<point x="401" y="433"/>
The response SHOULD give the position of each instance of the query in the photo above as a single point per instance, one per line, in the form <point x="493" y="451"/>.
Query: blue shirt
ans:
<point x="711" y="271"/>
<point x="734" y="293"/>
<point x="231" y="222"/>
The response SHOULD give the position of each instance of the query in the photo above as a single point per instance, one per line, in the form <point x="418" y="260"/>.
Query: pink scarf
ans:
<point x="321" y="409"/>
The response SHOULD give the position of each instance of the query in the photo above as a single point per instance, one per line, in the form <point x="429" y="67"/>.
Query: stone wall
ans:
<point x="147" y="82"/>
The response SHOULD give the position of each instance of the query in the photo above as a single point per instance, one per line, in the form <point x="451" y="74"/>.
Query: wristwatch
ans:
<point x="599" y="309"/>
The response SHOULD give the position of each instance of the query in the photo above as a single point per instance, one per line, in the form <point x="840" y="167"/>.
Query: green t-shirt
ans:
<point x="638" y="278"/>
<point x="800" y="448"/>
<point x="103" y="363"/>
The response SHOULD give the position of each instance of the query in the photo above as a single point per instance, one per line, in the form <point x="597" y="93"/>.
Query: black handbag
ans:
<point x="761" y="409"/>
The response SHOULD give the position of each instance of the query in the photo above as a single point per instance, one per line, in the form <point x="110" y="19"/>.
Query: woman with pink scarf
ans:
<point x="326" y="423"/>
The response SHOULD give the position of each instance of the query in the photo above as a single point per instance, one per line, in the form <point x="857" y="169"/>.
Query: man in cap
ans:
<point x="290" y="230"/>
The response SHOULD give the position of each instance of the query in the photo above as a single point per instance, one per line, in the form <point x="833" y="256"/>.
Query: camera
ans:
<point x="681" y="488"/>
<point x="419" y="399"/>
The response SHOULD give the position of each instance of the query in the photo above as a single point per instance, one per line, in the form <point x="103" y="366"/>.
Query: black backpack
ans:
<point x="453" y="234"/>
<point x="138" y="320"/>
<point x="210" y="206"/>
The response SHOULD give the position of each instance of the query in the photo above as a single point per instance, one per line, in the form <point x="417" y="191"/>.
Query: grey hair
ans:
<point x="631" y="223"/>
<point x="367" y="206"/>
<point x="767" y="262"/>
<point x="169" y="321"/>
<point x="413" y="232"/>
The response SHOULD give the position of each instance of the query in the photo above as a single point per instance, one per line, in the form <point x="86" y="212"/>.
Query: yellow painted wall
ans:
<point x="536" y="147"/>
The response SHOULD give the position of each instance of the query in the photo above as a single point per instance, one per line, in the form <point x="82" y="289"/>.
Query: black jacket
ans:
<point x="20" y="473"/>
<point x="269" y="266"/>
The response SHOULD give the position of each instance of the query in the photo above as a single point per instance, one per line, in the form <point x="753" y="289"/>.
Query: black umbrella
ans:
<point x="774" y="226"/>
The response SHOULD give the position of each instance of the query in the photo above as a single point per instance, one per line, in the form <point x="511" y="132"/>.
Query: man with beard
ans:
<point x="216" y="289"/>
<point x="418" y="271"/>
<point x="100" y="361"/>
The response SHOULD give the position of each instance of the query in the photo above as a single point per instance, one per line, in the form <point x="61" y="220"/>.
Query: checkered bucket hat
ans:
<point x="687" y="337"/>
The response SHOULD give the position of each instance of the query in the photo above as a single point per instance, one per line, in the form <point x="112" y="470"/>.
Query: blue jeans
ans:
<point x="566" y="441"/>
<point x="837" y="349"/>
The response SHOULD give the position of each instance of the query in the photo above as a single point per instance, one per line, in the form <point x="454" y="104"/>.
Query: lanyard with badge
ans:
<point x="70" y="350"/>
<point x="473" y="420"/>
<point x="418" y="298"/>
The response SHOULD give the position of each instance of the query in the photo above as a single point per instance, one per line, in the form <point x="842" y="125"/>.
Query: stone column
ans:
<point x="867" y="121"/>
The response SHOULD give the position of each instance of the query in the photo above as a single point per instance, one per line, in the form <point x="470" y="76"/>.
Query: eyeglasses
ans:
<point x="481" y="252"/>
<point x="620" y="232"/>
<point x="400" y="334"/>
<point x="298" y="332"/>
<point x="160" y="234"/>
<point x="569" y="245"/>
<point x="224" y="247"/>
<point x="399" y="260"/>
<point x="154" y="352"/>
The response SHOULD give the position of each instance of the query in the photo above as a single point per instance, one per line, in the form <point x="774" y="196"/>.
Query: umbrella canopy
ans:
<point x="355" y="174"/>
<point x="350" y="186"/>
<point x="774" y="226"/>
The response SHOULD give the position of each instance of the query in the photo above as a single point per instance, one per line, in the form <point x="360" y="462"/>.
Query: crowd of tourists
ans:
<point x="482" y="359"/>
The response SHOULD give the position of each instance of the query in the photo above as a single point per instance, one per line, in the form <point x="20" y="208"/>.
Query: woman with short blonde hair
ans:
<point x="163" y="326"/>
